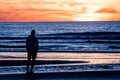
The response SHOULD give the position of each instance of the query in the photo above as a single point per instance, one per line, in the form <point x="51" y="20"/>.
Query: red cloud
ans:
<point x="107" y="10"/>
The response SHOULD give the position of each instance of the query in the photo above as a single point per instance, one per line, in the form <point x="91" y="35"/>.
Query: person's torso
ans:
<point x="32" y="43"/>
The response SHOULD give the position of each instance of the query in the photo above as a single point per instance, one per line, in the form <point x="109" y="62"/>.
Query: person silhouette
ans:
<point x="32" y="49"/>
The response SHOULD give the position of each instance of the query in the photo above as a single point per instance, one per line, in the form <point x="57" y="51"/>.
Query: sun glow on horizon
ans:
<point x="63" y="10"/>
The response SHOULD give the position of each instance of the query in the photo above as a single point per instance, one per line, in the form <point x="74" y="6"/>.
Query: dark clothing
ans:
<point x="32" y="44"/>
<point x="32" y="49"/>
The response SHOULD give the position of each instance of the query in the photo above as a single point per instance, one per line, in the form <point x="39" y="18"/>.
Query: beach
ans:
<point x="58" y="65"/>
<point x="89" y="75"/>
<point x="67" y="50"/>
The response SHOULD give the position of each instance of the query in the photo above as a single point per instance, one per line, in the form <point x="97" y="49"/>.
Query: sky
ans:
<point x="59" y="10"/>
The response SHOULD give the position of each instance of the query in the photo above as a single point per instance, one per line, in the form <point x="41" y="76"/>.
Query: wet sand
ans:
<point x="38" y="62"/>
<point x="10" y="59"/>
<point x="92" y="58"/>
<point x="86" y="75"/>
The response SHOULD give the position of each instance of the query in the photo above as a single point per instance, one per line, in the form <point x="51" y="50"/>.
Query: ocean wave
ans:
<point x="12" y="38"/>
<point x="105" y="41"/>
<point x="12" y="46"/>
<point x="95" y="41"/>
<point x="70" y="35"/>
<point x="114" y="47"/>
<point x="85" y="35"/>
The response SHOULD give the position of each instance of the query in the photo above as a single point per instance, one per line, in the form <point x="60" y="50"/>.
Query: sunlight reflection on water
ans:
<point x="92" y="58"/>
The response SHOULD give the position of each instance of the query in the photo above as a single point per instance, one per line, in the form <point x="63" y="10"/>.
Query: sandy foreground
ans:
<point x="88" y="75"/>
<point x="8" y="59"/>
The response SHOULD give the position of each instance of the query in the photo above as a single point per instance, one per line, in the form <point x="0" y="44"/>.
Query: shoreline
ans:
<point x="91" y="58"/>
<point x="18" y="67"/>
<point x="15" y="62"/>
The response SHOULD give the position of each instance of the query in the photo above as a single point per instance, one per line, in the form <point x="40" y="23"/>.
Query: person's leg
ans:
<point x="28" y="62"/>
<point x="33" y="61"/>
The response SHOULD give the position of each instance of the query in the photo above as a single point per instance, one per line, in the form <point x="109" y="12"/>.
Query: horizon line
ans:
<point x="54" y="21"/>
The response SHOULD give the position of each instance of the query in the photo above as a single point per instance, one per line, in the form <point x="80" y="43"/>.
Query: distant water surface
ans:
<point x="62" y="36"/>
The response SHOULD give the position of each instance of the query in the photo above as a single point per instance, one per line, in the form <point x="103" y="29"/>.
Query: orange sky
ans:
<point x="59" y="10"/>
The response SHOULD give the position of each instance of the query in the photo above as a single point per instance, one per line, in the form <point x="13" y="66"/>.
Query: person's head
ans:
<point x="33" y="32"/>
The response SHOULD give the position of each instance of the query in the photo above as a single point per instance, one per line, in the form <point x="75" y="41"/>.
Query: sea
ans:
<point x="95" y="42"/>
<point x="95" y="36"/>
